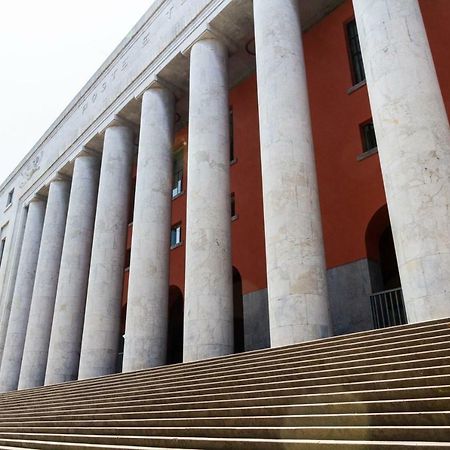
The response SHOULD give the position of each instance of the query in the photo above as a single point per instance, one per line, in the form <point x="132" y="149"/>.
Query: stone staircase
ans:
<point x="382" y="389"/>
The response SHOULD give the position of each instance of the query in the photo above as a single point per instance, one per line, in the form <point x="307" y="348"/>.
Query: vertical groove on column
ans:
<point x="67" y="328"/>
<point x="20" y="307"/>
<point x="147" y="308"/>
<point x="102" y="316"/>
<point x="413" y="138"/>
<point x="208" y="320"/>
<point x="296" y="276"/>
<point x="35" y="351"/>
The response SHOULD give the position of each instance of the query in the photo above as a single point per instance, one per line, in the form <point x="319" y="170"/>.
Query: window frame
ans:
<point x="354" y="55"/>
<point x="177" y="228"/>
<point x="364" y="137"/>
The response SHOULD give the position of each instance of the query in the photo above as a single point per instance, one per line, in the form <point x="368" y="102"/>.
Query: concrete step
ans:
<point x="244" y="444"/>
<point x="440" y="354"/>
<point x="403" y="388"/>
<point x="345" y="380"/>
<point x="323" y="412"/>
<point x="372" y="433"/>
<point x="152" y="376"/>
<point x="381" y="389"/>
<point x="331" y="402"/>
<point x="388" y="336"/>
<point x="208" y="443"/>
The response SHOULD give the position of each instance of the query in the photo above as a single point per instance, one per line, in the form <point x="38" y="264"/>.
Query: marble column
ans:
<point x="413" y="139"/>
<point x="208" y="318"/>
<point x="34" y="360"/>
<point x="147" y="308"/>
<point x="103" y="305"/>
<point x="20" y="307"/>
<point x="296" y="276"/>
<point x="68" y="319"/>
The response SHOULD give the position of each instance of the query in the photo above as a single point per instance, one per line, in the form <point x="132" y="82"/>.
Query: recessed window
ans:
<point x="177" y="175"/>
<point x="10" y="198"/>
<point x="233" y="206"/>
<point x="356" y="61"/>
<point x="2" y="249"/>
<point x="232" y="156"/>
<point x="175" y="235"/>
<point x="368" y="136"/>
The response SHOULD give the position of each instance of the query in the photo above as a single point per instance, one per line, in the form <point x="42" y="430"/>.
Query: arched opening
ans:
<point x="175" y="326"/>
<point x="238" y="312"/>
<point x="387" y="304"/>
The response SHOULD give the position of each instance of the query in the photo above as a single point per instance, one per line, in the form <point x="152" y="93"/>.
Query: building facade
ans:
<point x="238" y="174"/>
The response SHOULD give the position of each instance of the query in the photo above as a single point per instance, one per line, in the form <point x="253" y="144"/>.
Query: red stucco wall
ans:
<point x="351" y="191"/>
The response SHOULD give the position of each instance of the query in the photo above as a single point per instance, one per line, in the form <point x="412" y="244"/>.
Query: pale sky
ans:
<point x="48" y="50"/>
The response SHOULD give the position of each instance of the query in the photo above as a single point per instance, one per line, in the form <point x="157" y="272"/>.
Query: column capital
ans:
<point x="38" y="197"/>
<point x="212" y="33"/>
<point x="59" y="176"/>
<point x="88" y="152"/>
<point x="119" y="121"/>
<point x="161" y="83"/>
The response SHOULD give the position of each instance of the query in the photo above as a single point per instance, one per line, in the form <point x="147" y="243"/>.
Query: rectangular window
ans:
<point x="175" y="235"/>
<point x="368" y="136"/>
<point x="177" y="174"/>
<point x="233" y="206"/>
<point x="354" y="47"/>
<point x="10" y="198"/>
<point x="232" y="156"/>
<point x="2" y="249"/>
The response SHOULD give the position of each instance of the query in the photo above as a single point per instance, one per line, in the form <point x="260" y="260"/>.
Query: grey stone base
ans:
<point x="256" y="320"/>
<point x="349" y="288"/>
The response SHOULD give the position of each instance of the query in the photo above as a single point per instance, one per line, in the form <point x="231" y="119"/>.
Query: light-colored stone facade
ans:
<point x="183" y="56"/>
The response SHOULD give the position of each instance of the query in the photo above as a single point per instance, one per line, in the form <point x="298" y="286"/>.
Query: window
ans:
<point x="233" y="206"/>
<point x="177" y="173"/>
<point x="368" y="136"/>
<point x="232" y="157"/>
<point x="354" y="47"/>
<point x="175" y="235"/>
<point x="2" y="249"/>
<point x="10" y="198"/>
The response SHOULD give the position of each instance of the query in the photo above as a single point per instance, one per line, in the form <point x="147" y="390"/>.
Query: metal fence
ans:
<point x="388" y="308"/>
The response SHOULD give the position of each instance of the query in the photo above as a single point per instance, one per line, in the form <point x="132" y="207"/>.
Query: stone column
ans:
<point x="65" y="341"/>
<point x="34" y="360"/>
<point x="413" y="139"/>
<point x="102" y="317"/>
<point x="147" y="309"/>
<point x="208" y="318"/>
<point x="20" y="308"/>
<point x="296" y="276"/>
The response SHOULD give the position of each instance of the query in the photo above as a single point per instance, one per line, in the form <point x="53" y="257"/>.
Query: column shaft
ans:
<point x="20" y="307"/>
<point x="65" y="341"/>
<point x="296" y="275"/>
<point x="208" y="319"/>
<point x="35" y="351"/>
<point x="147" y="308"/>
<point x="103" y="305"/>
<point x="413" y="140"/>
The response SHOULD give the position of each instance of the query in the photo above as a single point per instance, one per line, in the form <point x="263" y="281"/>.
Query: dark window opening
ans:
<point x="354" y="47"/>
<point x="232" y="156"/>
<point x="2" y="249"/>
<point x="175" y="326"/>
<point x="177" y="173"/>
<point x="233" y="205"/>
<point x="127" y="259"/>
<point x="238" y="312"/>
<point x="10" y="198"/>
<point x="368" y="136"/>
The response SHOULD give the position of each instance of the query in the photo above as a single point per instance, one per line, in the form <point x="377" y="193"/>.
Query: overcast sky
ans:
<point x="48" y="50"/>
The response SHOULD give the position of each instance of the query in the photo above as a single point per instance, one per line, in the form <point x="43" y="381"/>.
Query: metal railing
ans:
<point x="388" y="308"/>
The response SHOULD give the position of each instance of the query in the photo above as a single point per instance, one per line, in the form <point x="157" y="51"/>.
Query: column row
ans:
<point x="65" y="316"/>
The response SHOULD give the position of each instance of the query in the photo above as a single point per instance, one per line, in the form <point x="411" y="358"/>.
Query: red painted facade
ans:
<point x="351" y="190"/>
